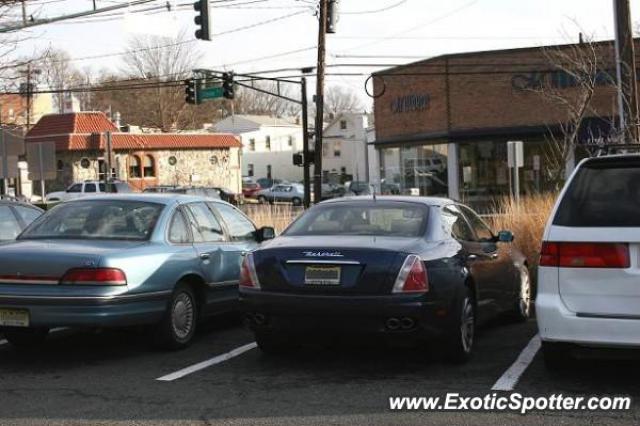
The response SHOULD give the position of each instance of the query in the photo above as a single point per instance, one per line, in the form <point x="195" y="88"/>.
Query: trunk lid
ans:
<point x="332" y="265"/>
<point x="46" y="261"/>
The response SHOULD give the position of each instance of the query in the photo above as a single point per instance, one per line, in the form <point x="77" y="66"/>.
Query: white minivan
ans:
<point x="589" y="274"/>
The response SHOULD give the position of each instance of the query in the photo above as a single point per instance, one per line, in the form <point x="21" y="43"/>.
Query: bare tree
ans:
<point x="338" y="99"/>
<point x="571" y="86"/>
<point x="59" y="73"/>
<point x="249" y="101"/>
<point x="154" y="60"/>
<point x="10" y="14"/>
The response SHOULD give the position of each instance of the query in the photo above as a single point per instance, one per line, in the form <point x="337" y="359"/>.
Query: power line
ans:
<point x="383" y="9"/>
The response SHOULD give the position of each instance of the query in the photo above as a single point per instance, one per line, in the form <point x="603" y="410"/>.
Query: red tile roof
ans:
<point x="75" y="122"/>
<point x="85" y="131"/>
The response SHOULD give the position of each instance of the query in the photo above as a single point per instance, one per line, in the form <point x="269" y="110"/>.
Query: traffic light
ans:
<point x="332" y="16"/>
<point x="202" y="20"/>
<point x="298" y="159"/>
<point x="227" y="85"/>
<point x="191" y="90"/>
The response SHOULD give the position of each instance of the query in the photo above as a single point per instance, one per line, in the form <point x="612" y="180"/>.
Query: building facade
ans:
<point x="345" y="155"/>
<point x="142" y="160"/>
<point x="442" y="124"/>
<point x="268" y="145"/>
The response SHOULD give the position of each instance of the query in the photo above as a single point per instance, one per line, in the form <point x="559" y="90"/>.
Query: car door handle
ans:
<point x="205" y="256"/>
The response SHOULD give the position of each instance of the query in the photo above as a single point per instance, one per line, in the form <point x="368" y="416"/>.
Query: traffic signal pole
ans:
<point x="317" y="169"/>
<point x="305" y="144"/>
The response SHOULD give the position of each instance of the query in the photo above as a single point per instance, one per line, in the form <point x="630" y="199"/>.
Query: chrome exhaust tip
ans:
<point x="393" y="323"/>
<point x="407" y="323"/>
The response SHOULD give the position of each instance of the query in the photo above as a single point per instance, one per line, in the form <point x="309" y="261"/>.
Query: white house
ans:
<point x="268" y="145"/>
<point x="345" y="154"/>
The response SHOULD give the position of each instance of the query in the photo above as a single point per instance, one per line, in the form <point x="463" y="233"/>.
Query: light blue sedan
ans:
<point x="163" y="260"/>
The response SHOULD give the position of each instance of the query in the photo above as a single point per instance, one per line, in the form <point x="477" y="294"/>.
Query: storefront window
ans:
<point x="415" y="170"/>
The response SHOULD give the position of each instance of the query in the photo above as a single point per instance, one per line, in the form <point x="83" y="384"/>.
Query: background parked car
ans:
<point x="87" y="188"/>
<point x="266" y="183"/>
<point x="158" y="260"/>
<point x="358" y="188"/>
<point x="14" y="217"/>
<point x="250" y="189"/>
<point x="291" y="193"/>
<point x="404" y="268"/>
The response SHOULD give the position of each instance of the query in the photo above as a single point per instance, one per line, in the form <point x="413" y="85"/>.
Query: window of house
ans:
<point x="252" y="144"/>
<point x="267" y="143"/>
<point x="325" y="149"/>
<point x="337" y="148"/>
<point x="269" y="171"/>
<point x="290" y="140"/>
<point x="343" y="124"/>
<point x="343" y="171"/>
<point x="60" y="165"/>
<point x="149" y="166"/>
<point x="134" y="166"/>
<point x="250" y="170"/>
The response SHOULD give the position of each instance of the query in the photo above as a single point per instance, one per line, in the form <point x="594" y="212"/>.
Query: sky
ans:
<point x="382" y="32"/>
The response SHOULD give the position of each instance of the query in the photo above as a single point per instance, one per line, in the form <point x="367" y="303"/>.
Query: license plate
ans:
<point x="322" y="275"/>
<point x="14" y="318"/>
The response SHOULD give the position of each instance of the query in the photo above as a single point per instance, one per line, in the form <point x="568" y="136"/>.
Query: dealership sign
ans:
<point x="410" y="103"/>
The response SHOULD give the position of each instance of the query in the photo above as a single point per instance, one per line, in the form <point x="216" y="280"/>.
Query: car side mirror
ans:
<point x="505" y="236"/>
<point x="265" y="233"/>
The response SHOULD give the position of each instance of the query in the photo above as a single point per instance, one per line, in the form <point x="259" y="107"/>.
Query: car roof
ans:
<point x="161" y="198"/>
<point x="430" y="201"/>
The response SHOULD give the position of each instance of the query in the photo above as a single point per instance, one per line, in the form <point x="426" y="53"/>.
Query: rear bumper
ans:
<point x="557" y="324"/>
<point x="295" y="313"/>
<point x="90" y="311"/>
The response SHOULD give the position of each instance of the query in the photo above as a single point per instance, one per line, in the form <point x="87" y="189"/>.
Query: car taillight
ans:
<point x="248" y="275"/>
<point x="585" y="255"/>
<point x="95" y="276"/>
<point x="412" y="277"/>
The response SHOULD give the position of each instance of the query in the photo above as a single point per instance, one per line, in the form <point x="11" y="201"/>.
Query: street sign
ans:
<point x="211" y="93"/>
<point x="515" y="154"/>
<point x="13" y="143"/>
<point x="41" y="157"/>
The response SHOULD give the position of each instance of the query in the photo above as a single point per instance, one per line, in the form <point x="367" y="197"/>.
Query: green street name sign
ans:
<point x="210" y="93"/>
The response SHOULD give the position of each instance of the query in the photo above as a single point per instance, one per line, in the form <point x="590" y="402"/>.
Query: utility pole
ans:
<point x="29" y="94"/>
<point x="317" y="169"/>
<point x="626" y="73"/>
<point x="306" y="158"/>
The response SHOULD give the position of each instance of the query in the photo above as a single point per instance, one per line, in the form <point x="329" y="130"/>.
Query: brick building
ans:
<point x="142" y="160"/>
<point x="442" y="124"/>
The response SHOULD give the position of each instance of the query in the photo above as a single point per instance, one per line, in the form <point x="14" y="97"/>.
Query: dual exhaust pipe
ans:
<point x="404" y="323"/>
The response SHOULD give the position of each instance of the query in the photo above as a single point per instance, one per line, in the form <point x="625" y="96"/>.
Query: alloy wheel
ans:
<point x="467" y="325"/>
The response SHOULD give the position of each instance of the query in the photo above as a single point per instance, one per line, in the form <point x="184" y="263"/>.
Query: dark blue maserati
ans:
<point x="401" y="267"/>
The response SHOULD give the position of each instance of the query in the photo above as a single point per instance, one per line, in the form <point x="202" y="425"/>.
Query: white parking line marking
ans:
<point x="208" y="363"/>
<point x="54" y="330"/>
<point x="510" y="378"/>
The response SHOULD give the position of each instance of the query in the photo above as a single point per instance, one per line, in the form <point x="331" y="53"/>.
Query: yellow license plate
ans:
<point x="322" y="275"/>
<point x="14" y="318"/>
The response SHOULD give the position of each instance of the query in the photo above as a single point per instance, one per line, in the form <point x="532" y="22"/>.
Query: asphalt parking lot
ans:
<point x="108" y="377"/>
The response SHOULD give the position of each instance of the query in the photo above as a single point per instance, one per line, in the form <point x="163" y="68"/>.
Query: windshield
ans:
<point x="100" y="219"/>
<point x="374" y="219"/>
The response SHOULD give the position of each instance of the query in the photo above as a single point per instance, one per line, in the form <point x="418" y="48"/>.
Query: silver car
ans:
<point x="290" y="193"/>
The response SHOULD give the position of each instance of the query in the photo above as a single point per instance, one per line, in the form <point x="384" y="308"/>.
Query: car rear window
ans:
<point x="374" y="219"/>
<point x="604" y="193"/>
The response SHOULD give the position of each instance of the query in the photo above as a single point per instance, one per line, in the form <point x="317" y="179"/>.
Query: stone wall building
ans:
<point x="142" y="160"/>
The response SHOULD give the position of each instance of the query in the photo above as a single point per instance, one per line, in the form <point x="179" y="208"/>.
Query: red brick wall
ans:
<point x="481" y="93"/>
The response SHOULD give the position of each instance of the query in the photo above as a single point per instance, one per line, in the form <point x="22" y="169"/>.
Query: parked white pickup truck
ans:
<point x="90" y="187"/>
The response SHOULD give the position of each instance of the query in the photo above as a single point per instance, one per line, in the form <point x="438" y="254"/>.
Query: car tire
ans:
<point x="460" y="343"/>
<point x="26" y="338"/>
<point x="296" y="201"/>
<point x="178" y="326"/>
<point x="262" y="199"/>
<point x="557" y="356"/>
<point x="522" y="309"/>
<point x="272" y="344"/>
